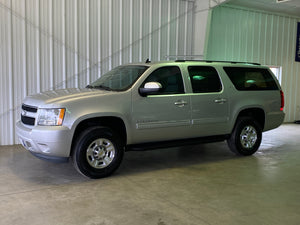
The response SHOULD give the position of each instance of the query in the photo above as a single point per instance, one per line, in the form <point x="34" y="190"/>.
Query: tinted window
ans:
<point x="204" y="79"/>
<point x="120" y="78"/>
<point x="170" y="78"/>
<point x="245" y="79"/>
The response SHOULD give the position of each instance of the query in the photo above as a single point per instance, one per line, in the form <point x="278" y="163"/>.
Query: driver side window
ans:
<point x="170" y="79"/>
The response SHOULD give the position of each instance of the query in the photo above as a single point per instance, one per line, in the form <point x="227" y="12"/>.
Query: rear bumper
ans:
<point x="45" y="142"/>
<point x="274" y="120"/>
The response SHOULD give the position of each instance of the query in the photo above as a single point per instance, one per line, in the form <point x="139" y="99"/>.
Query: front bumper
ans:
<point x="45" y="141"/>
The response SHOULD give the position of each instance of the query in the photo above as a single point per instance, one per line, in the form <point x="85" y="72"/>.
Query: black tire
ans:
<point x="98" y="152"/>
<point x="246" y="136"/>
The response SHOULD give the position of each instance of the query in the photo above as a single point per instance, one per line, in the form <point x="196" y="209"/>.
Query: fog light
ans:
<point x="44" y="148"/>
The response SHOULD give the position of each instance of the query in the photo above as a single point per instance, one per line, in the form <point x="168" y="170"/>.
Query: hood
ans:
<point x="59" y="96"/>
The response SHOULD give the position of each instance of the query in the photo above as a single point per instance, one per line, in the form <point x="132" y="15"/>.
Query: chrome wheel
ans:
<point x="248" y="137"/>
<point x="100" y="153"/>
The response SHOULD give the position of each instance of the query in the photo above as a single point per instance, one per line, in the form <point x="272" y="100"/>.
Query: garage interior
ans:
<point x="49" y="45"/>
<point x="201" y="184"/>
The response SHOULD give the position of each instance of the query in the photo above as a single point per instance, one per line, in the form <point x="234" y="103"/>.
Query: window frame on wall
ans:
<point x="277" y="71"/>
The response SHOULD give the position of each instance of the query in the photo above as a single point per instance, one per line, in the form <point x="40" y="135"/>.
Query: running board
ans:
<point x="175" y="143"/>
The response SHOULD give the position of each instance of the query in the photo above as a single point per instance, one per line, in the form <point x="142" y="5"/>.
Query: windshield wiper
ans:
<point x="103" y="87"/>
<point x="90" y="86"/>
<point x="99" y="87"/>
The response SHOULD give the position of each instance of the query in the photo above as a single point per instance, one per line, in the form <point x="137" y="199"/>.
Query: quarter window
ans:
<point x="249" y="79"/>
<point x="204" y="79"/>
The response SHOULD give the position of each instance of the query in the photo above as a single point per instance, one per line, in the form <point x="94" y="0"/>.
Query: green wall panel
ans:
<point x="241" y="34"/>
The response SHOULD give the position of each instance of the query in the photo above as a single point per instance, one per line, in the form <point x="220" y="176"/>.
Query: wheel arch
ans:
<point x="112" y="122"/>
<point x="256" y="113"/>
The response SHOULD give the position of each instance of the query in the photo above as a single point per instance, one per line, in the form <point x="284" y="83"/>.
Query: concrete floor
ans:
<point x="203" y="184"/>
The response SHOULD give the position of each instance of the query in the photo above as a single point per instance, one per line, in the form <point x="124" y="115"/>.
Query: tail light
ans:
<point x="282" y="100"/>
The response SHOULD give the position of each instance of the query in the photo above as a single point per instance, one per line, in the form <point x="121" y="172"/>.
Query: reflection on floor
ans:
<point x="202" y="184"/>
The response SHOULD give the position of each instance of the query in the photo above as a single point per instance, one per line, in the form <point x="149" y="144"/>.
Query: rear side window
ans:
<point x="248" y="79"/>
<point x="204" y="79"/>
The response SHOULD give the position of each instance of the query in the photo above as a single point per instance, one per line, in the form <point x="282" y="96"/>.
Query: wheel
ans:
<point x="246" y="136"/>
<point x="98" y="152"/>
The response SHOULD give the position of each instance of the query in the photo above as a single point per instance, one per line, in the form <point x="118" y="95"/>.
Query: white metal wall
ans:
<point x="52" y="44"/>
<point x="240" y="34"/>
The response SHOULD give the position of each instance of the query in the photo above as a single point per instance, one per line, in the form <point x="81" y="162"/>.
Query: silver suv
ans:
<point x="152" y="105"/>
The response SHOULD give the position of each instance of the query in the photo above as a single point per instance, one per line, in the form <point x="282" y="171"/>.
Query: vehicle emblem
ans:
<point x="23" y="113"/>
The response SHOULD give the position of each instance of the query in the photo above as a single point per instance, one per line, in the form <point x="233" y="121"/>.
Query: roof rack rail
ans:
<point x="211" y="61"/>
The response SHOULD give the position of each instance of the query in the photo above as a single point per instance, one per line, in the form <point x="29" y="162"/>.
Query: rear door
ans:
<point x="210" y="103"/>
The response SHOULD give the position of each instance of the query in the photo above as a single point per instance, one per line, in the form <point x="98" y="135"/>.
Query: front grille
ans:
<point x="29" y="108"/>
<point x="27" y="120"/>
<point x="28" y="114"/>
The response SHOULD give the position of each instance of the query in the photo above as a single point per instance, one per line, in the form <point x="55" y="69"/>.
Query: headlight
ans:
<point x="51" y="117"/>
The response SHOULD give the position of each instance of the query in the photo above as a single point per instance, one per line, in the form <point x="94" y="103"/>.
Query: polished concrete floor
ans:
<point x="203" y="184"/>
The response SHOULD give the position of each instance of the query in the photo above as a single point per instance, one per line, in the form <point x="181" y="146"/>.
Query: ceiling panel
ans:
<point x="289" y="7"/>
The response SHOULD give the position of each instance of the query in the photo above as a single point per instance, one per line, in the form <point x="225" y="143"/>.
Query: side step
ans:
<point x="175" y="143"/>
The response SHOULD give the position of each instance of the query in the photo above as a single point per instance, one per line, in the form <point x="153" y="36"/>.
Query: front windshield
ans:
<point x="120" y="78"/>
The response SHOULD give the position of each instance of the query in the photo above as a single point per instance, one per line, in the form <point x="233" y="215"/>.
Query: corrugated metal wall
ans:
<point x="52" y="44"/>
<point x="245" y="35"/>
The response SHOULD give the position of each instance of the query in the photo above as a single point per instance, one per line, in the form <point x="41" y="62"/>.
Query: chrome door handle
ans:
<point x="180" y="103"/>
<point x="221" y="100"/>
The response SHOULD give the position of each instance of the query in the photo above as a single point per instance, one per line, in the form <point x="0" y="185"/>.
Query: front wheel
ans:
<point x="98" y="152"/>
<point x="246" y="136"/>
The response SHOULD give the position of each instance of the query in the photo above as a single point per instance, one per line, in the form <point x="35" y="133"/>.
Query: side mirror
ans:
<point x="150" y="88"/>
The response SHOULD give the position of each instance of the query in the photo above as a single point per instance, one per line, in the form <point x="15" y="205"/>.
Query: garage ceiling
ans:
<point x="290" y="7"/>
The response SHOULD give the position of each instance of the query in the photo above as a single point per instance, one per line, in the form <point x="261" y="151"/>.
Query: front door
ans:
<point x="165" y="115"/>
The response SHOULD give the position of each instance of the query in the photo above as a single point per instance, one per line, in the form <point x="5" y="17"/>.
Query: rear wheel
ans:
<point x="98" y="152"/>
<point x="246" y="136"/>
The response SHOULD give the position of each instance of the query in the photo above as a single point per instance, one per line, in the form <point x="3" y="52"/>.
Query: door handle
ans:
<point x="180" y="103"/>
<point x="220" y="100"/>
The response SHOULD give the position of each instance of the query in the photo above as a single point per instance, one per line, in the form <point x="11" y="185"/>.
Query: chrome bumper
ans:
<point x="51" y="142"/>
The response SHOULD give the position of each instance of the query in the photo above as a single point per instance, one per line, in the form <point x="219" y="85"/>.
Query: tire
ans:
<point x="98" y="152"/>
<point x="246" y="137"/>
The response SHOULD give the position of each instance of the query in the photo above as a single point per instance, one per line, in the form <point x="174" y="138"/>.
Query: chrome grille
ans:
<point x="28" y="114"/>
